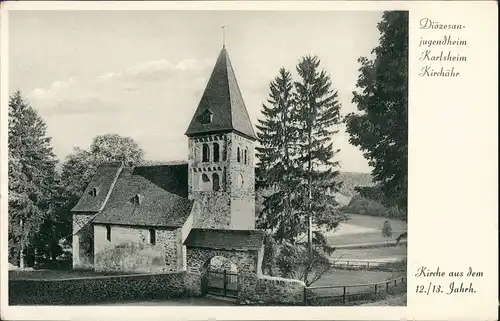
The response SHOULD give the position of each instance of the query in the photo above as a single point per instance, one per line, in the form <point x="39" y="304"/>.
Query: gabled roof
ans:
<point x="172" y="178"/>
<point x="225" y="239"/>
<point x="103" y="182"/>
<point x="160" y="205"/>
<point x="222" y="97"/>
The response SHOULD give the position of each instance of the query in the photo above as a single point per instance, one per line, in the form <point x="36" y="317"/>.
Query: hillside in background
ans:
<point x="351" y="180"/>
<point x="347" y="191"/>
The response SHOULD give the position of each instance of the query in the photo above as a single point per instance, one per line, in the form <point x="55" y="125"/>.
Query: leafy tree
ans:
<point x="387" y="229"/>
<point x="277" y="173"/>
<point x="32" y="178"/>
<point x="81" y="165"/>
<point x="295" y="263"/>
<point x="113" y="147"/>
<point x="318" y="114"/>
<point x="380" y="129"/>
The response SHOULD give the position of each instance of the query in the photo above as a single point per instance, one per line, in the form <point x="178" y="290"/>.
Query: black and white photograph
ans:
<point x="207" y="158"/>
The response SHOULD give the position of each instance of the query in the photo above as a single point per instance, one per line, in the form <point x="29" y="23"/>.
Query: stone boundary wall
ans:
<point x="270" y="290"/>
<point x="98" y="289"/>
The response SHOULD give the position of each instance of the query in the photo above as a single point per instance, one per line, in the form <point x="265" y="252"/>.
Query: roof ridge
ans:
<point x="229" y="94"/>
<point x="230" y="67"/>
<point x="112" y="186"/>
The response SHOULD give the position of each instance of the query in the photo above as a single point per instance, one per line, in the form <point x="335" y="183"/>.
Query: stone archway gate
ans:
<point x="244" y="248"/>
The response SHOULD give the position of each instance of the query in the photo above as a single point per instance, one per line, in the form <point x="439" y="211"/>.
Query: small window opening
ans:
<point x="215" y="182"/>
<point x="246" y="156"/>
<point x="206" y="117"/>
<point x="216" y="152"/>
<point x="137" y="199"/>
<point x="152" y="236"/>
<point x="238" y="156"/>
<point x="108" y="233"/>
<point x="93" y="192"/>
<point x="206" y="153"/>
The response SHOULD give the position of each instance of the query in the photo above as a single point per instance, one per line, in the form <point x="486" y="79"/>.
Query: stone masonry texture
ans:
<point x="83" y="252"/>
<point x="233" y="205"/>
<point x="168" y="249"/>
<point x="105" y="289"/>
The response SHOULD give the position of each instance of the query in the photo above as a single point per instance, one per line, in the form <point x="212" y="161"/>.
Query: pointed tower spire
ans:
<point x="221" y="108"/>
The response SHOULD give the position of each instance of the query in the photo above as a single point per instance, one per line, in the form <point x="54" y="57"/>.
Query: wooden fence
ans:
<point x="342" y="294"/>
<point x="359" y="263"/>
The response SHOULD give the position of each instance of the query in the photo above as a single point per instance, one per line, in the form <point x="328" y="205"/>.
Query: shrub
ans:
<point x="131" y="256"/>
<point x="387" y="229"/>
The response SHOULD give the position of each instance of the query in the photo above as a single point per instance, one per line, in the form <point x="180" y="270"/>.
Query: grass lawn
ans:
<point x="56" y="274"/>
<point x="376" y="222"/>
<point x="347" y="277"/>
<point x="393" y="300"/>
<point x="371" y="253"/>
<point x="364" y="229"/>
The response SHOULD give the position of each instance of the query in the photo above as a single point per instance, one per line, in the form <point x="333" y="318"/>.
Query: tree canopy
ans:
<point x="81" y="165"/>
<point x="380" y="127"/>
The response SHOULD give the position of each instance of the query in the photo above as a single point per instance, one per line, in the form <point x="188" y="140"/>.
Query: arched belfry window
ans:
<point x="206" y="153"/>
<point x="205" y="183"/>
<point x="245" y="157"/>
<point x="215" y="182"/>
<point x="224" y="149"/>
<point x="238" y="154"/>
<point x="216" y="152"/>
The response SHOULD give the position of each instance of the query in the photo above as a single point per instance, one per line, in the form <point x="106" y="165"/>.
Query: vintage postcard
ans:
<point x="249" y="160"/>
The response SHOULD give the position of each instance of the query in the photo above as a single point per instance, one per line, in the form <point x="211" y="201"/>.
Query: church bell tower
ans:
<point x="221" y="149"/>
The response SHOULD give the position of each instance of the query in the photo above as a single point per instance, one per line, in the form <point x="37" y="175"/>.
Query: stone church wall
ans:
<point x="233" y="205"/>
<point x="129" y="249"/>
<point x="212" y="211"/>
<point x="242" y="178"/>
<point x="83" y="235"/>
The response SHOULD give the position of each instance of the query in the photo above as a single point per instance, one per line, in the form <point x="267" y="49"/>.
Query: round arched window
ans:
<point x="205" y="184"/>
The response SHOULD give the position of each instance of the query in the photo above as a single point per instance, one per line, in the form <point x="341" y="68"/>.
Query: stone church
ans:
<point x="176" y="217"/>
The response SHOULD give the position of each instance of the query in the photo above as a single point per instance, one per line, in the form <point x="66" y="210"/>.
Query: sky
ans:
<point x="141" y="74"/>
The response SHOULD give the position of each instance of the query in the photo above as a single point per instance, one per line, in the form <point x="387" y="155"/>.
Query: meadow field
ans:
<point x="361" y="229"/>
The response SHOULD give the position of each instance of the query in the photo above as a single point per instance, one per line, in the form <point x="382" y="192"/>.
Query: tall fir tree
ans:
<point x="380" y="128"/>
<point x="32" y="178"/>
<point x="318" y="114"/>
<point x="296" y="169"/>
<point x="277" y="174"/>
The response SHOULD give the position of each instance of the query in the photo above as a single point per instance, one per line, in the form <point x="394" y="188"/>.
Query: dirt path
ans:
<point x="176" y="302"/>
